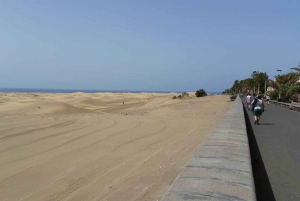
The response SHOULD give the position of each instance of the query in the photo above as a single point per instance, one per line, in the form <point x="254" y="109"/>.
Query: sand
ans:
<point x="83" y="146"/>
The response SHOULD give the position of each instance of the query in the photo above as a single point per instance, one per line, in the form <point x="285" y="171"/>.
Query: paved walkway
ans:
<point x="278" y="140"/>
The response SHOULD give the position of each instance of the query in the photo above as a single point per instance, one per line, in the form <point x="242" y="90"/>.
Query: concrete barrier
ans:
<point x="292" y="106"/>
<point x="221" y="168"/>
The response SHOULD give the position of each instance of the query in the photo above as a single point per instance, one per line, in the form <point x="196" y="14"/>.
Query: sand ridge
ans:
<point x="46" y="107"/>
<point x="82" y="146"/>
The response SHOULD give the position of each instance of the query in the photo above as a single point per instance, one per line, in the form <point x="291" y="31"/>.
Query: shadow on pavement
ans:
<point x="263" y="188"/>
<point x="267" y="124"/>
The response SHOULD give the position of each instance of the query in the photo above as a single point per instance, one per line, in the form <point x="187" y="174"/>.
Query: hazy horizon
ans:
<point x="150" y="46"/>
<point x="48" y="90"/>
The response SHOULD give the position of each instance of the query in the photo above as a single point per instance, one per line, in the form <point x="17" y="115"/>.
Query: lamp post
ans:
<point x="279" y="84"/>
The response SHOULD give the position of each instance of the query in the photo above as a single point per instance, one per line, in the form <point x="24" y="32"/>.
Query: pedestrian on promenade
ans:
<point x="257" y="108"/>
<point x="248" y="101"/>
<point x="268" y="99"/>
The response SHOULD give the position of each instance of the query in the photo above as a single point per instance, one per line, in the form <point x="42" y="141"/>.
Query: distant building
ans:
<point x="270" y="89"/>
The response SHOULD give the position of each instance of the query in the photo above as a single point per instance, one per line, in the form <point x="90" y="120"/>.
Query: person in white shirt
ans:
<point x="258" y="109"/>
<point x="248" y="101"/>
<point x="268" y="99"/>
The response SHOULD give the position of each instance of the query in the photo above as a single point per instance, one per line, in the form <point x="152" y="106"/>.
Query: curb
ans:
<point x="221" y="168"/>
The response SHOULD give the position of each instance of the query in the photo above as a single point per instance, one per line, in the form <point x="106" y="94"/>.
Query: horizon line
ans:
<point x="20" y="89"/>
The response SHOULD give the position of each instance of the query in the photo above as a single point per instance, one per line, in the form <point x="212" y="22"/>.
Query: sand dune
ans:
<point x="84" y="100"/>
<point x="82" y="146"/>
<point x="90" y="101"/>
<point x="46" y="107"/>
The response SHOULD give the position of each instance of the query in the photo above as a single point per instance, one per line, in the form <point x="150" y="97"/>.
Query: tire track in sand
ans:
<point x="38" y="129"/>
<point x="44" y="138"/>
<point x="81" y="181"/>
<point x="33" y="123"/>
<point x="171" y="141"/>
<point x="91" y="176"/>
<point x="60" y="145"/>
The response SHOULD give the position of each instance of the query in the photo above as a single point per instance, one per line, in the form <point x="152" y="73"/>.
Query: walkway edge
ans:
<point x="221" y="168"/>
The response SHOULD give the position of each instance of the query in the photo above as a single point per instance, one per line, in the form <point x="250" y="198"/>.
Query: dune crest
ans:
<point x="90" y="101"/>
<point x="47" y="107"/>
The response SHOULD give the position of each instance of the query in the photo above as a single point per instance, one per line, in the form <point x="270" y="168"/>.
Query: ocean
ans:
<point x="31" y="90"/>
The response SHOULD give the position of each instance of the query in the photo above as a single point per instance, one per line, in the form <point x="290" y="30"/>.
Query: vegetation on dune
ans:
<point x="200" y="93"/>
<point x="184" y="94"/>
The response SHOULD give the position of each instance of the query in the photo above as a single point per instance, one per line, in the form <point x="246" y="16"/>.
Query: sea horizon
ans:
<point x="45" y="90"/>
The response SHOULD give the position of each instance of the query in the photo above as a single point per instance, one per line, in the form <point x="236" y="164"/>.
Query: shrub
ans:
<point x="200" y="93"/>
<point x="180" y="96"/>
<point x="273" y="95"/>
<point x="292" y="92"/>
<point x="184" y="94"/>
<point x="174" y="97"/>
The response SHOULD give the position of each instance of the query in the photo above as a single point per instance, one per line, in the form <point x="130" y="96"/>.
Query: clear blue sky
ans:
<point x="145" y="45"/>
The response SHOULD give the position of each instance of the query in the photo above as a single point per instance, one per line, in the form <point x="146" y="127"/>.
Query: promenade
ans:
<point x="275" y="150"/>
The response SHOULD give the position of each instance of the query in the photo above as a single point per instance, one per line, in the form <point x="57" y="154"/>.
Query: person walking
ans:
<point x="268" y="99"/>
<point x="258" y="108"/>
<point x="248" y="101"/>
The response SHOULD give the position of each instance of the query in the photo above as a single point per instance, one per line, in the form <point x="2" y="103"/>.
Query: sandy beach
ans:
<point x="99" y="146"/>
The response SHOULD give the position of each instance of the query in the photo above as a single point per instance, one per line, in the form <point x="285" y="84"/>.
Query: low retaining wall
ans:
<point x="221" y="168"/>
<point x="292" y="106"/>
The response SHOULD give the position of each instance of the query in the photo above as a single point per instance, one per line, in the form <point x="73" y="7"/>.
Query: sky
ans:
<point x="155" y="45"/>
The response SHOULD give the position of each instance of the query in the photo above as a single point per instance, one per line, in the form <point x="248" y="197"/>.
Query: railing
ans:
<point x="292" y="106"/>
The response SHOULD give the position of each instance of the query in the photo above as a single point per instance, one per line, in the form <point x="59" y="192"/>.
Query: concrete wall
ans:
<point x="221" y="168"/>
